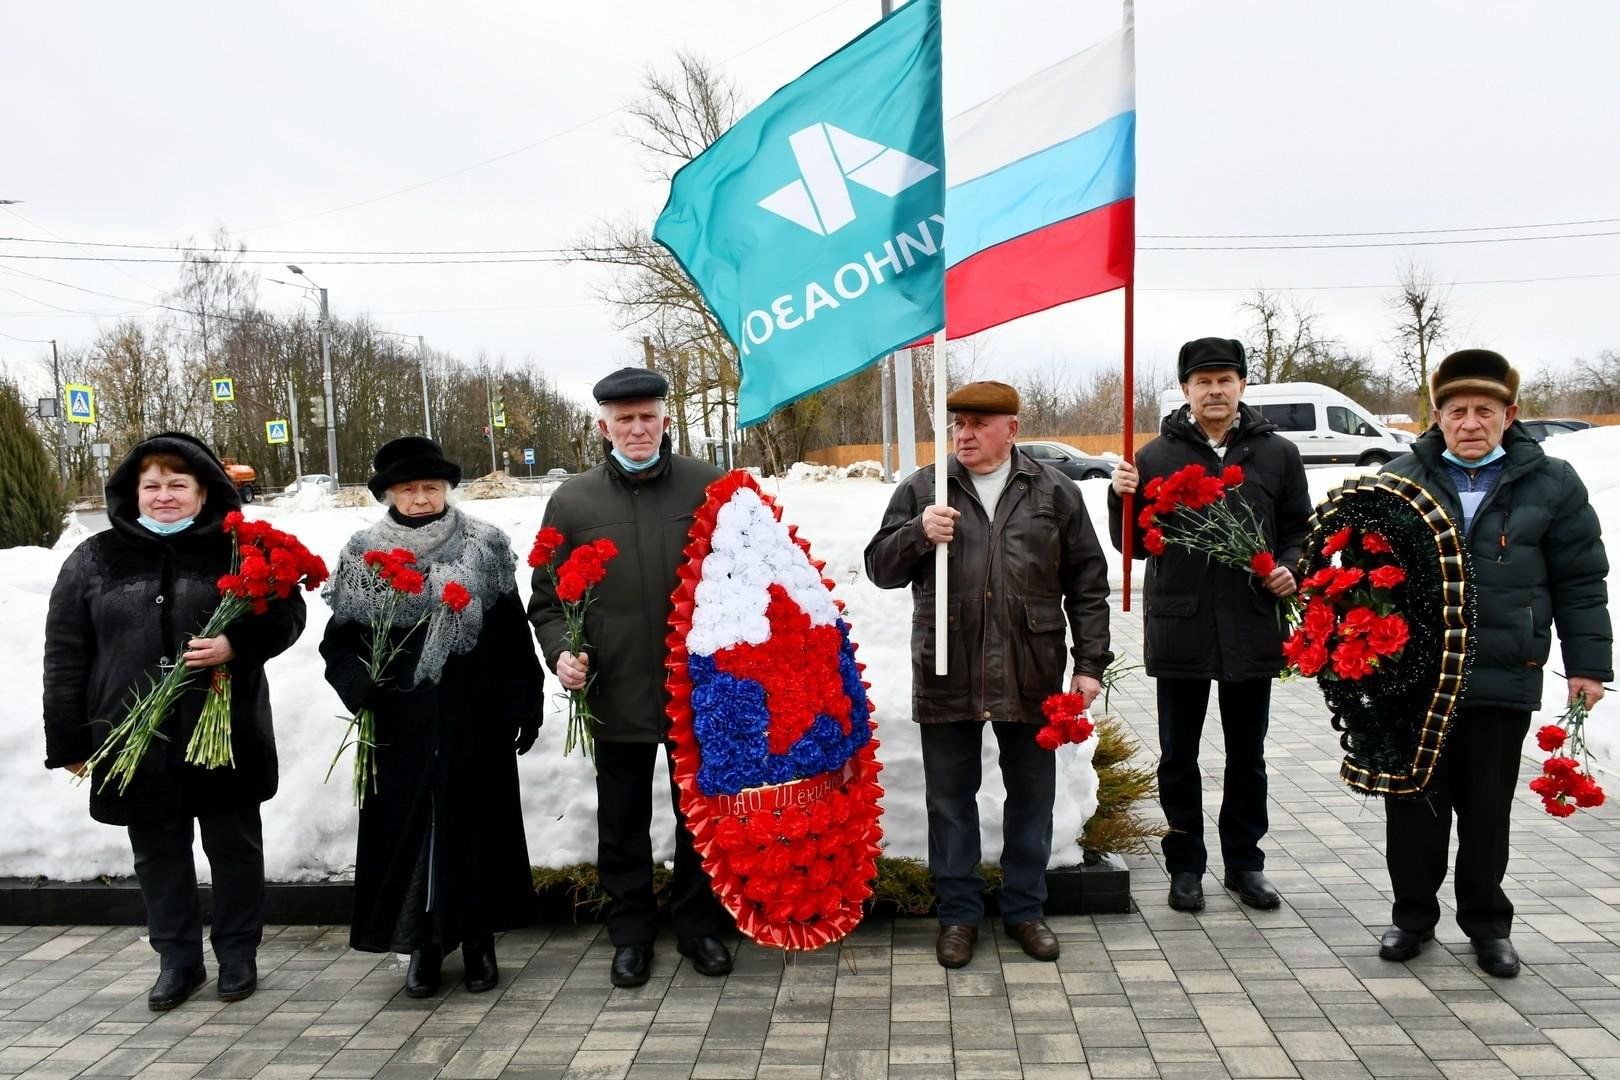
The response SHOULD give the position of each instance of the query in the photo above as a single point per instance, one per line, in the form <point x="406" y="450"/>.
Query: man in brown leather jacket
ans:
<point x="1025" y="564"/>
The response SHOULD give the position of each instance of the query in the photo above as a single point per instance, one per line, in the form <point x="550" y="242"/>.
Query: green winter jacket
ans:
<point x="1537" y="559"/>
<point x="649" y="516"/>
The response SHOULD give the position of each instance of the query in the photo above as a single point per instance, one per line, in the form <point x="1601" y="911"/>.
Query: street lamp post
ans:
<point x="422" y="366"/>
<point x="326" y="374"/>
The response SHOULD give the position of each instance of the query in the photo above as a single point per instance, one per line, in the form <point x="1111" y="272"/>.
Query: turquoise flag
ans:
<point x="815" y="226"/>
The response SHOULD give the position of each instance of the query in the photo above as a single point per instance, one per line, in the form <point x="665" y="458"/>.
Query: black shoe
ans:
<point x="1497" y="957"/>
<point x="174" y="985"/>
<point x="479" y="959"/>
<point x="708" y="956"/>
<point x="1253" y="888"/>
<point x="237" y="979"/>
<point x="631" y="965"/>
<point x="1187" y="891"/>
<point x="1401" y="945"/>
<point x="422" y="977"/>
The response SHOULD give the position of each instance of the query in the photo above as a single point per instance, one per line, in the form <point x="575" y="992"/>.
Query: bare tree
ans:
<point x="1422" y="314"/>
<point x="1283" y="336"/>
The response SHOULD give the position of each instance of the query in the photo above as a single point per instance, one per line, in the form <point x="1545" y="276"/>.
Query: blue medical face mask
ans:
<point x="1494" y="455"/>
<point x="165" y="528"/>
<point x="636" y="466"/>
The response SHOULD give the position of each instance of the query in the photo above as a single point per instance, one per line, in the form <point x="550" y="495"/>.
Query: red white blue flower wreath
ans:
<point x="772" y="728"/>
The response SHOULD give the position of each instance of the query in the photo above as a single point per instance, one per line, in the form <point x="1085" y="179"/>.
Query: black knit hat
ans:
<point x="1211" y="352"/>
<point x="410" y="457"/>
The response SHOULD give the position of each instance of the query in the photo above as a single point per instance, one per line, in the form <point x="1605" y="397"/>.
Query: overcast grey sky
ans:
<point x="153" y="121"/>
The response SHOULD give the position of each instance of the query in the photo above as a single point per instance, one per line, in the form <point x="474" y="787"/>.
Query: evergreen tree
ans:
<point x="32" y="503"/>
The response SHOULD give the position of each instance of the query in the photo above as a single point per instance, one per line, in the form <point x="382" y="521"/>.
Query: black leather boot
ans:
<point x="422" y="977"/>
<point x="175" y="985"/>
<point x="479" y="958"/>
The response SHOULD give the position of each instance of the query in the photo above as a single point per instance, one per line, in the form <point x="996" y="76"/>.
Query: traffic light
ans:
<point x="317" y="410"/>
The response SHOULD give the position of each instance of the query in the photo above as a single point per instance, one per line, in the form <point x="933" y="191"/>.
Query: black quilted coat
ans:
<point x="125" y="602"/>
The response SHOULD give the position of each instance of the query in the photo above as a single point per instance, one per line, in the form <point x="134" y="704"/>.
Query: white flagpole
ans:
<point x="941" y="552"/>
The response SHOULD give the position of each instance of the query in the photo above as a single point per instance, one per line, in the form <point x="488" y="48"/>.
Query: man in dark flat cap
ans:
<point x="1025" y="564"/>
<point x="1206" y="622"/>
<point x="642" y="497"/>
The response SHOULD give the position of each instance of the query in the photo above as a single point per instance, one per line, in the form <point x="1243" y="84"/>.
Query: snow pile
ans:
<point x="304" y="498"/>
<point x="309" y="827"/>
<point x="801" y="471"/>
<point x="862" y="470"/>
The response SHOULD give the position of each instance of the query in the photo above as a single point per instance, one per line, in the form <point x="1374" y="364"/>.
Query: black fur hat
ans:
<point x="1474" y="371"/>
<point x="410" y="457"/>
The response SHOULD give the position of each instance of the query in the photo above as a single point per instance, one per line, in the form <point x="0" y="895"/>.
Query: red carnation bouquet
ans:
<point x="1563" y="785"/>
<point x="1350" y="622"/>
<point x="1190" y="509"/>
<point x="1067" y="721"/>
<point x="574" y="581"/>
<point x="397" y="570"/>
<point x="266" y="564"/>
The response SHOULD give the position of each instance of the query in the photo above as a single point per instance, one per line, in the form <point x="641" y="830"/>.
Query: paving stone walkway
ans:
<point x="1298" y="992"/>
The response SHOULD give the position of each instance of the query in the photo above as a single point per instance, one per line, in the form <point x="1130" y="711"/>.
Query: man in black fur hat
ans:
<point x="1537" y="559"/>
<point x="642" y="497"/>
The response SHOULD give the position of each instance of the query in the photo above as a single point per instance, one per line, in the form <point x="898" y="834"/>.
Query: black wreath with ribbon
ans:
<point x="1393" y="723"/>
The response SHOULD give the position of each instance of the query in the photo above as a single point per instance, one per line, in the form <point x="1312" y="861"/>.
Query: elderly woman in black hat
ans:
<point x="441" y="860"/>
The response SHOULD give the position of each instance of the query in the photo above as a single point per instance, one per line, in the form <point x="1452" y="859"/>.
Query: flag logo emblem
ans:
<point x="828" y="158"/>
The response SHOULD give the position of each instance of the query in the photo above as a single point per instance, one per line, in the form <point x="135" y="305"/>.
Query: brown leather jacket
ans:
<point x="1014" y="584"/>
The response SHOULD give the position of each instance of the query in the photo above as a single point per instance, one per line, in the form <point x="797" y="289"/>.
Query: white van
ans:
<point x="1328" y="428"/>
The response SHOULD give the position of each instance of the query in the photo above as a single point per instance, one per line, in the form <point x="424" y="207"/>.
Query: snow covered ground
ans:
<point x="309" y="827"/>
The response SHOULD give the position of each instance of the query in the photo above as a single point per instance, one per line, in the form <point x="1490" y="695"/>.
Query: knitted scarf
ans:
<point x="456" y="548"/>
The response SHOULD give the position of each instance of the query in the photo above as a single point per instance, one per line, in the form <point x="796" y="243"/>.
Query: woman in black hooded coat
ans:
<point x="442" y="860"/>
<point x="127" y="601"/>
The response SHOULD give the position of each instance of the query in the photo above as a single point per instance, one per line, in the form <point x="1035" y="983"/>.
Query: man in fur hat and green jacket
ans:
<point x="1537" y="559"/>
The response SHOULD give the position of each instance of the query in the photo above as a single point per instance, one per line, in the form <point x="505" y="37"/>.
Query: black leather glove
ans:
<point x="528" y="731"/>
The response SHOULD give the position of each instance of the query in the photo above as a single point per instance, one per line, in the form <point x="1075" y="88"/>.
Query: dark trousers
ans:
<point x="624" y="775"/>
<point x="951" y="774"/>
<point x="234" y="844"/>
<point x="1475" y="778"/>
<point x="1245" y="716"/>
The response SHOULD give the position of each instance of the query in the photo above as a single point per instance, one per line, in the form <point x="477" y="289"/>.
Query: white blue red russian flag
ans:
<point x="1041" y="193"/>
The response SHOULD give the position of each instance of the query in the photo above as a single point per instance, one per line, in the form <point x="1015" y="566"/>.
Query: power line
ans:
<point x="578" y="250"/>
<point x="1386" y="232"/>
<point x="579" y="255"/>
<point x="1387" y="285"/>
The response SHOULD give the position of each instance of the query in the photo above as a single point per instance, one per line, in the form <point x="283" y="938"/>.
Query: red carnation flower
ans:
<point x="1557" y="807"/>
<point x="1049" y="737"/>
<point x="455" y="596"/>
<point x="1153" y="540"/>
<point x="1232" y="476"/>
<point x="1263" y="562"/>
<point x="1335" y="543"/>
<point x="1386" y="577"/>
<point x="546" y="543"/>
<point x="1145" y="518"/>
<point x="1587" y="793"/>
<point x="1154" y="486"/>
<point x="1375" y="544"/>
<point x="1550" y="737"/>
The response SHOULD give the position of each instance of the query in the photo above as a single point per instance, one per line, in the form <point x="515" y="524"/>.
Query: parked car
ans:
<point x="1069" y="461"/>
<point x="1328" y="427"/>
<point x="319" y="481"/>
<point x="1542" y="430"/>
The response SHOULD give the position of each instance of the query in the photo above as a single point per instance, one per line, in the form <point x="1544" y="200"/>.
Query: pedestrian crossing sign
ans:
<point x="275" y="432"/>
<point x="500" y="419"/>
<point x="224" y="390"/>
<point x="81" y="403"/>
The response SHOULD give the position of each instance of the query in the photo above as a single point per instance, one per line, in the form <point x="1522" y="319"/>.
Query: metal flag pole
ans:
<point x="1127" y="524"/>
<point x="942" y="563"/>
